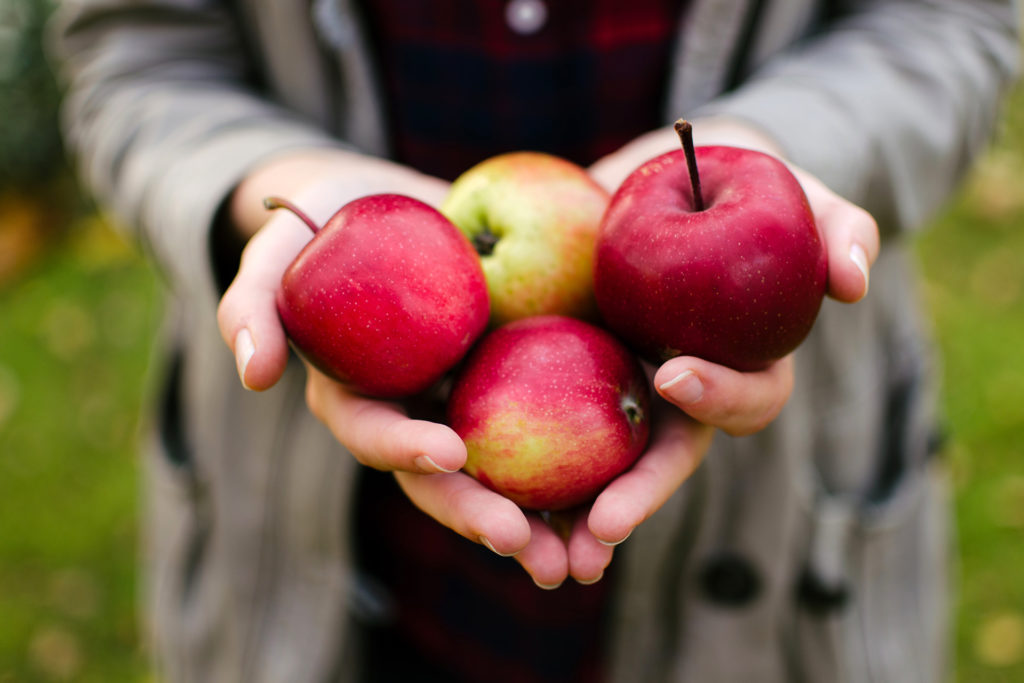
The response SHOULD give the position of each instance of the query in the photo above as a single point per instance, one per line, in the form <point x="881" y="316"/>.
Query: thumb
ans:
<point x="851" y="239"/>
<point x="247" y="313"/>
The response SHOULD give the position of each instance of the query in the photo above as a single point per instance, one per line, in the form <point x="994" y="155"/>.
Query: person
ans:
<point x="783" y="525"/>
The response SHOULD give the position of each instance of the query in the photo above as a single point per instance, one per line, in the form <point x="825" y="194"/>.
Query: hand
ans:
<point x="852" y="243"/>
<point x="581" y="543"/>
<point x="709" y="395"/>
<point x="379" y="434"/>
<point x="578" y="543"/>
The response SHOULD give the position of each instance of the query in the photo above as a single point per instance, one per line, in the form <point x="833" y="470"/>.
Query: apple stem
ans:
<point x="485" y="241"/>
<point x="684" y="129"/>
<point x="271" y="203"/>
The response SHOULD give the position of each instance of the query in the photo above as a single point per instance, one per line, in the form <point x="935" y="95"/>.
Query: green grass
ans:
<point x="76" y="334"/>
<point x="75" y="339"/>
<point x="973" y="261"/>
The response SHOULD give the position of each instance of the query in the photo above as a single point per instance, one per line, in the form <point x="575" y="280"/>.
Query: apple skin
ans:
<point x="739" y="283"/>
<point x="386" y="297"/>
<point x="544" y="213"/>
<point x="551" y="409"/>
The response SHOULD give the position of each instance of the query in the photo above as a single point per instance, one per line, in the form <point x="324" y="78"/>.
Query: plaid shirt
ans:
<point x="458" y="613"/>
<point x="462" y="84"/>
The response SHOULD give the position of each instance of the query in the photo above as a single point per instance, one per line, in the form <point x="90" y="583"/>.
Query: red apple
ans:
<point x="551" y="409"/>
<point x="533" y="219"/>
<point x="727" y="265"/>
<point x="386" y="298"/>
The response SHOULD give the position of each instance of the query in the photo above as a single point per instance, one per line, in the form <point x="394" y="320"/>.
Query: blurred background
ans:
<point x="79" y="312"/>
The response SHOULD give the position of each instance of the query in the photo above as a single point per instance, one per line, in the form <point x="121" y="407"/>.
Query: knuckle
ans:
<point x="225" y="311"/>
<point x="745" y="423"/>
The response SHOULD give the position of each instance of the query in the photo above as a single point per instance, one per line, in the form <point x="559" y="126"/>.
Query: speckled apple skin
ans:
<point x="551" y="409"/>
<point x="740" y="283"/>
<point x="386" y="297"/>
<point x="546" y="212"/>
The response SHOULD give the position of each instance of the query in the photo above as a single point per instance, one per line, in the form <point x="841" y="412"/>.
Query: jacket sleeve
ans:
<point x="161" y="117"/>
<point x="889" y="102"/>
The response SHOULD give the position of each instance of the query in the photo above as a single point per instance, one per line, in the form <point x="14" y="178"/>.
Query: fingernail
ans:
<point x="484" y="540"/>
<point x="684" y="389"/>
<point x="615" y="543"/>
<point x="590" y="582"/>
<point x="860" y="259"/>
<point x="427" y="464"/>
<point x="244" y="350"/>
<point x="546" y="586"/>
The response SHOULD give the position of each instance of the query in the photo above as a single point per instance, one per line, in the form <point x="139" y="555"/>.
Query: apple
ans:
<point x="533" y="219"/>
<point x="726" y="264"/>
<point x="386" y="298"/>
<point x="550" y="408"/>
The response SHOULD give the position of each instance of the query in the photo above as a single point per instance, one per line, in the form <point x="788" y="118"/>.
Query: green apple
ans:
<point x="533" y="219"/>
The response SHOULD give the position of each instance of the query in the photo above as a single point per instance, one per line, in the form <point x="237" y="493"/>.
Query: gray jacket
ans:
<point x="815" y="550"/>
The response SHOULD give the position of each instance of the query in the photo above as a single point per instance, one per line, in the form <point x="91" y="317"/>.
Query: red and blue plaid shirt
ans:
<point x="462" y="84"/>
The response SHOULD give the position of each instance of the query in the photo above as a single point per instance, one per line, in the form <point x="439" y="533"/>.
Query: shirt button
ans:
<point x="820" y="597"/>
<point x="730" y="581"/>
<point x="526" y="17"/>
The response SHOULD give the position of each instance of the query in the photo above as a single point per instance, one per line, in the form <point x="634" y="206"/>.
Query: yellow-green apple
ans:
<point x="551" y="409"/>
<point x="727" y="264"/>
<point x="533" y="219"/>
<point x="386" y="298"/>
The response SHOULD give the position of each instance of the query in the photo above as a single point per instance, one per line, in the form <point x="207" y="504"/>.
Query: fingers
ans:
<point x="473" y="511"/>
<point x="851" y="238"/>
<point x="738" y="403"/>
<point x="577" y="544"/>
<point x="544" y="558"/>
<point x="852" y="241"/>
<point x="379" y="434"/>
<point x="588" y="557"/>
<point x="462" y="504"/>
<point x="247" y="314"/>
<point x="677" y="447"/>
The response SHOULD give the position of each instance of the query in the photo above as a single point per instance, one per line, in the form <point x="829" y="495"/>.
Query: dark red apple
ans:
<point x="551" y="409"/>
<point x="727" y="265"/>
<point x="386" y="298"/>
